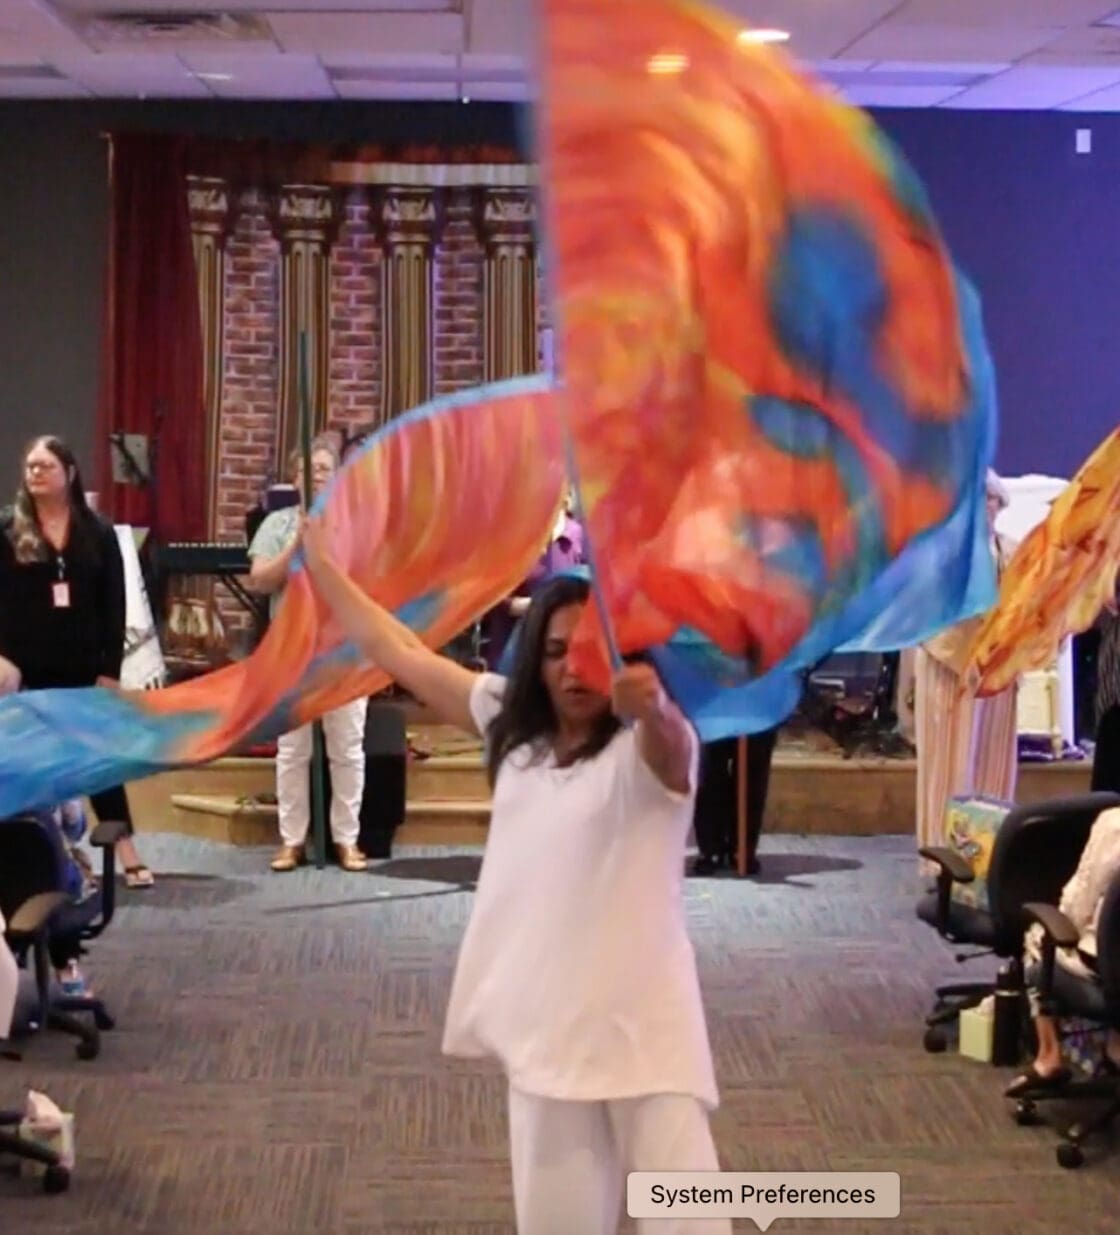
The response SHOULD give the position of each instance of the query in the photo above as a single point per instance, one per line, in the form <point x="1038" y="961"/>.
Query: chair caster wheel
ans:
<point x="1070" y="1156"/>
<point x="935" y="1041"/>
<point x="56" y="1179"/>
<point x="104" y="1021"/>
<point x="88" y="1048"/>
<point x="1026" y="1113"/>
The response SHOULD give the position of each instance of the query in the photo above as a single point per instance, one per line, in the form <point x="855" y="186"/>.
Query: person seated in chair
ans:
<point x="1081" y="902"/>
<point x="79" y="883"/>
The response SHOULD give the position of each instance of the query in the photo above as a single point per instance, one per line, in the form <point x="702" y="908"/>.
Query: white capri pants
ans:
<point x="570" y="1160"/>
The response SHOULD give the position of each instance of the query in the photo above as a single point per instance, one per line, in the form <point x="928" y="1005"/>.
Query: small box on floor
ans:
<point x="976" y="1026"/>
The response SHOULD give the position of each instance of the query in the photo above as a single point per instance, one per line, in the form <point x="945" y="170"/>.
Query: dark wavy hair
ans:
<point x="25" y="533"/>
<point x="527" y="717"/>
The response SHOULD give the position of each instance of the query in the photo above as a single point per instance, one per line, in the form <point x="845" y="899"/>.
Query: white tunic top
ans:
<point x="576" y="971"/>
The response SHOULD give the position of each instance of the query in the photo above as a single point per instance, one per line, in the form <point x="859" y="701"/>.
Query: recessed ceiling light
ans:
<point x="763" y="35"/>
<point x="214" y="76"/>
<point x="667" y="62"/>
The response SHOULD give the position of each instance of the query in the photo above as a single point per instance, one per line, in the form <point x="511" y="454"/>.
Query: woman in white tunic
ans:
<point x="576" y="972"/>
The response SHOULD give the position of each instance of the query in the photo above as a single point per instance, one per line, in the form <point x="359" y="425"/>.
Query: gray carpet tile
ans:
<point x="276" y="1065"/>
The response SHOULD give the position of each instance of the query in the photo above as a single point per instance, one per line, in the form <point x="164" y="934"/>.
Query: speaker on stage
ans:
<point x="386" y="786"/>
<point x="386" y="780"/>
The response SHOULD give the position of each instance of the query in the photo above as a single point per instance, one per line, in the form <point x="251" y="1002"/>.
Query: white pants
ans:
<point x="570" y="1160"/>
<point x="344" y="733"/>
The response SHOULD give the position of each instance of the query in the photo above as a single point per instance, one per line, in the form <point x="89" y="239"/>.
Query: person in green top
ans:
<point x="271" y="553"/>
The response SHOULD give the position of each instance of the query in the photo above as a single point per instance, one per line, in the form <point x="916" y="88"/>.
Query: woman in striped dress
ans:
<point x="966" y="745"/>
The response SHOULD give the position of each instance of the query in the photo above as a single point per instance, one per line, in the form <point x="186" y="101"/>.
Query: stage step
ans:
<point x="448" y="796"/>
<point x="448" y="778"/>
<point x="240" y="821"/>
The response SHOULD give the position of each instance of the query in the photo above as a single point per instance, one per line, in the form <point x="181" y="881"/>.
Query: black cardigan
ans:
<point x="72" y="646"/>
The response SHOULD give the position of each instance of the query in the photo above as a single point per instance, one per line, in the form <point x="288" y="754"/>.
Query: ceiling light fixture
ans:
<point x="764" y="35"/>
<point x="667" y="62"/>
<point x="214" y="76"/>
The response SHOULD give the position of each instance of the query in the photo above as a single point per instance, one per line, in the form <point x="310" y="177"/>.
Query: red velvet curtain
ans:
<point x="152" y="363"/>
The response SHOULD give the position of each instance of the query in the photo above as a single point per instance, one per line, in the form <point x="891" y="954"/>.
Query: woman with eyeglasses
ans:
<point x="62" y="601"/>
<point x="271" y="552"/>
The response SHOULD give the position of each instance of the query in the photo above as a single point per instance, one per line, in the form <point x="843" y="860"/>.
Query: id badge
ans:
<point x="60" y="593"/>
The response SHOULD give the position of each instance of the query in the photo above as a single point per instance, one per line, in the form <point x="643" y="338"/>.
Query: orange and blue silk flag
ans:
<point x="780" y="403"/>
<point x="1059" y="580"/>
<point x="772" y="389"/>
<point x="420" y="517"/>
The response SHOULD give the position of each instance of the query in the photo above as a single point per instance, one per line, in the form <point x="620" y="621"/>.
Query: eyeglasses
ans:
<point x="37" y="466"/>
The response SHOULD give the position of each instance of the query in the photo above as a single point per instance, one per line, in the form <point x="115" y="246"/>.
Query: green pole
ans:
<point x="318" y="746"/>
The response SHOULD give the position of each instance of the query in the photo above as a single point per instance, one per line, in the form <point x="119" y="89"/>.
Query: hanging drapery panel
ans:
<point x="305" y="221"/>
<point x="506" y="224"/>
<point x="410" y="224"/>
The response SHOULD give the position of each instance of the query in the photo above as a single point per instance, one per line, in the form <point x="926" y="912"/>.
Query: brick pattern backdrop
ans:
<point x="250" y="363"/>
<point x="458" y="298"/>
<point x="247" y="434"/>
<point x="355" y="372"/>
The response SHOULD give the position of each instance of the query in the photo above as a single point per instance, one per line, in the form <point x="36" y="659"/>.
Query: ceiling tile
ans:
<point x="1005" y="12"/>
<point x="1036" y="87"/>
<point x="895" y="40"/>
<point x="255" y="6"/>
<point x="407" y="33"/>
<point x="1099" y="101"/>
<point x="1084" y="46"/>
<point x="970" y="68"/>
<point x="268" y="77"/>
<point x="872" y="95"/>
<point x="122" y="76"/>
<point x="498" y="91"/>
<point x="393" y="65"/>
<point x="31" y="29"/>
<point x="500" y="28"/>
<point x="388" y="89"/>
<point x="498" y="66"/>
<point x="34" y="88"/>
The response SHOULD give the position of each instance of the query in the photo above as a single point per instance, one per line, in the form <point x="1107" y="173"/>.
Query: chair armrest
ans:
<point x="33" y="914"/>
<point x="951" y="863"/>
<point x="952" y="869"/>
<point x="1055" y="923"/>
<point x="1060" y="932"/>
<point x="109" y="833"/>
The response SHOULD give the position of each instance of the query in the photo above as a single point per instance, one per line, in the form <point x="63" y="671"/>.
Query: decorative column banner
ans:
<point x="410" y="224"/>
<point x="510" y="283"/>
<point x="305" y="218"/>
<point x="210" y="217"/>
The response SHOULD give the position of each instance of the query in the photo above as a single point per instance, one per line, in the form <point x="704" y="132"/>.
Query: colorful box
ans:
<point x="971" y="825"/>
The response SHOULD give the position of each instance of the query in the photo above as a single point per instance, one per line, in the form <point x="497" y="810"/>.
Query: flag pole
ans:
<point x="742" y="858"/>
<point x="318" y="752"/>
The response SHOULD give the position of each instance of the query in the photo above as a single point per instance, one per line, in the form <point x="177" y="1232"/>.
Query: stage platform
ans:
<point x="232" y="800"/>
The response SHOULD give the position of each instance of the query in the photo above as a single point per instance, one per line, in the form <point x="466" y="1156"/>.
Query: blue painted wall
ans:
<point x="1036" y="226"/>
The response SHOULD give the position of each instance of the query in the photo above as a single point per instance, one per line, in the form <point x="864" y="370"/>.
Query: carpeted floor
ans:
<point x="276" y="1068"/>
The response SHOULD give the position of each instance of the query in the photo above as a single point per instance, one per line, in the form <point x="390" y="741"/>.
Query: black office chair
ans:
<point x="1036" y="850"/>
<point x="1065" y="993"/>
<point x="32" y="876"/>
